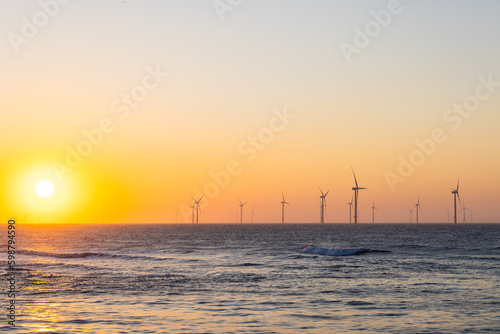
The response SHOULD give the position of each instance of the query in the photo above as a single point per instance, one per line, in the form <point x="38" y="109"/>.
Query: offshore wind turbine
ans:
<point x="252" y="215"/>
<point x="417" y="207"/>
<point x="455" y="195"/>
<point x="350" y="209"/>
<point x="241" y="211"/>
<point x="356" y="190"/>
<point x="464" y="209"/>
<point x="283" y="208"/>
<point x="323" y="205"/>
<point x="448" y="215"/>
<point x="197" y="208"/>
<point x="373" y="212"/>
<point x="411" y="215"/>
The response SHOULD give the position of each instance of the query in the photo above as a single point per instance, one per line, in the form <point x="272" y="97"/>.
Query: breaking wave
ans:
<point x="333" y="251"/>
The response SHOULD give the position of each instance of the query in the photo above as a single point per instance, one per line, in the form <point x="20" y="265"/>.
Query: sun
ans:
<point x="45" y="188"/>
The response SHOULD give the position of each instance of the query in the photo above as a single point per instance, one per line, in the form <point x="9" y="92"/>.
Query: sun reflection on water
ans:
<point x="42" y="317"/>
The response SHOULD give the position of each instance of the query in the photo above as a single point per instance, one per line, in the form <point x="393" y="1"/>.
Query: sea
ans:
<point x="254" y="278"/>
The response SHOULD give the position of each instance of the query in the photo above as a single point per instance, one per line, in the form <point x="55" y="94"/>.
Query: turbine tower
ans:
<point x="448" y="215"/>
<point x="241" y="211"/>
<point x="192" y="213"/>
<point x="455" y="195"/>
<point x="252" y="214"/>
<point x="350" y="209"/>
<point x="283" y="208"/>
<point x="373" y="212"/>
<point x="411" y="215"/>
<point x="417" y="207"/>
<point x="323" y="205"/>
<point x="196" y="206"/>
<point x="356" y="190"/>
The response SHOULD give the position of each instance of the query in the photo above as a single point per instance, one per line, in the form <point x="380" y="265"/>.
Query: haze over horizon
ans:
<point x="131" y="109"/>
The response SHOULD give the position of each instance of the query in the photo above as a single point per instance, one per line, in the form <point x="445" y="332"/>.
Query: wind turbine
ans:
<point x="350" y="209"/>
<point x="356" y="190"/>
<point x="455" y="195"/>
<point x="197" y="208"/>
<point x="411" y="215"/>
<point x="373" y="212"/>
<point x="283" y="208"/>
<point x="323" y="205"/>
<point x="464" y="209"/>
<point x="417" y="206"/>
<point x="252" y="215"/>
<point x="241" y="211"/>
<point x="448" y="215"/>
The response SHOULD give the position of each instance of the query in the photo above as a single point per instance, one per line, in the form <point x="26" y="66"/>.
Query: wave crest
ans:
<point x="310" y="249"/>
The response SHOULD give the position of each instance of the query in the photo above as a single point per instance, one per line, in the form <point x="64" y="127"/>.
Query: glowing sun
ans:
<point x="45" y="188"/>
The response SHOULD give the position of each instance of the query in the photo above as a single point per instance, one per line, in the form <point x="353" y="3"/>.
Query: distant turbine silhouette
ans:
<point x="448" y="215"/>
<point x="471" y="216"/>
<point x="455" y="195"/>
<point x="241" y="211"/>
<point x="411" y="215"/>
<point x="417" y="207"/>
<point x="197" y="208"/>
<point x="323" y="205"/>
<point x="373" y="212"/>
<point x="283" y="208"/>
<point x="464" y="209"/>
<point x="356" y="190"/>
<point x="252" y="214"/>
<point x="350" y="209"/>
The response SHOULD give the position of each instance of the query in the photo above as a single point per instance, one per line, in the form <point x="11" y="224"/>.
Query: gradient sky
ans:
<point x="227" y="78"/>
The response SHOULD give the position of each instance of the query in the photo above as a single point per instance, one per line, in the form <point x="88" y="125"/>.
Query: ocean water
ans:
<point x="396" y="278"/>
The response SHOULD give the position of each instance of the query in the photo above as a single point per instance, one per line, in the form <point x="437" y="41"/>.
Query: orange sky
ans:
<point x="153" y="98"/>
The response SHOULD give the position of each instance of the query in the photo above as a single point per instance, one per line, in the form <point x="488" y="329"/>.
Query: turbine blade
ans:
<point x="321" y="191"/>
<point x="355" y="180"/>
<point x="327" y="192"/>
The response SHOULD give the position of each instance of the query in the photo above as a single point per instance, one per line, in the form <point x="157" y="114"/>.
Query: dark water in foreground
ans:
<point x="254" y="279"/>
